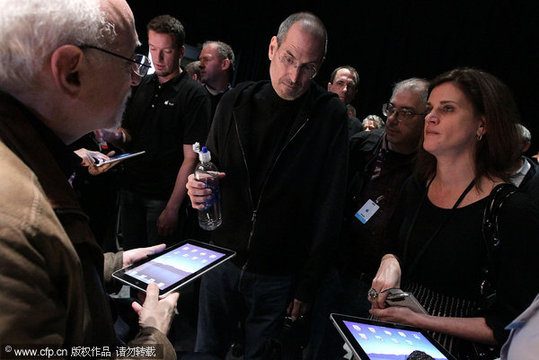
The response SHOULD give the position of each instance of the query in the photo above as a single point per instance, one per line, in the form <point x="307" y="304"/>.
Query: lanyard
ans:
<point x="438" y="229"/>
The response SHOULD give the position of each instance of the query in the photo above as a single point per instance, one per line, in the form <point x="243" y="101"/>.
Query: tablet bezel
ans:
<point x="122" y="275"/>
<point x="338" y="322"/>
<point x="120" y="157"/>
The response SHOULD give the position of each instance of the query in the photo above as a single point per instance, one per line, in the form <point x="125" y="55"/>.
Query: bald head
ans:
<point x="308" y="23"/>
<point x="32" y="29"/>
<point x="119" y="13"/>
<point x="51" y="61"/>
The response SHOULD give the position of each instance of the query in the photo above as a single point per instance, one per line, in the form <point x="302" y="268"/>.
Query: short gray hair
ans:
<point x="309" y="22"/>
<point x="193" y="68"/>
<point x="418" y="85"/>
<point x="524" y="133"/>
<point x="32" y="29"/>
<point x="224" y="50"/>
<point x="375" y="119"/>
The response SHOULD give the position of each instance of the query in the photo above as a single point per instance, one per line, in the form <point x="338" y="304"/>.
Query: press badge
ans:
<point x="367" y="211"/>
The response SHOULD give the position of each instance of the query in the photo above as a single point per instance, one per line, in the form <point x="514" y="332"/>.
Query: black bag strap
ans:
<point x="491" y="233"/>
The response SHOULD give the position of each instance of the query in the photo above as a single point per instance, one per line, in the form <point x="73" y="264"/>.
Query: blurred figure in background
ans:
<point x="372" y="122"/>
<point x="193" y="69"/>
<point x="344" y="82"/>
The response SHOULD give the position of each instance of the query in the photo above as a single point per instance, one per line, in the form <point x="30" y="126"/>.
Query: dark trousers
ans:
<point x="341" y="295"/>
<point x="138" y="218"/>
<point x="228" y="294"/>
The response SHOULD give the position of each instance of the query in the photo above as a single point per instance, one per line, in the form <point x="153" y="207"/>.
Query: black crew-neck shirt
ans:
<point x="271" y="121"/>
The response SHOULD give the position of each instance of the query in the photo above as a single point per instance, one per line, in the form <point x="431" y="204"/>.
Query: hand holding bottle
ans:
<point x="198" y="192"/>
<point x="209" y="211"/>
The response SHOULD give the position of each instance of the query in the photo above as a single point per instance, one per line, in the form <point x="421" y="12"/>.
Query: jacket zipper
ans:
<point x="255" y="210"/>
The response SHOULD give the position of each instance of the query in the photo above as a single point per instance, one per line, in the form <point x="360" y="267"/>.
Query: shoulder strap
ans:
<point x="490" y="226"/>
<point x="491" y="235"/>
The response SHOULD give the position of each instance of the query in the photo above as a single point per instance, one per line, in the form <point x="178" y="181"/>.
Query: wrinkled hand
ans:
<point x="96" y="170"/>
<point x="134" y="255"/>
<point x="167" y="222"/>
<point x="154" y="312"/>
<point x="91" y="158"/>
<point x="198" y="192"/>
<point x="297" y="308"/>
<point x="388" y="276"/>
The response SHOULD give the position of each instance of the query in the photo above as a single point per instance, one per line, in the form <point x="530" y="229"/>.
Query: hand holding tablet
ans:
<point x="155" y="312"/>
<point x="119" y="158"/>
<point x="174" y="267"/>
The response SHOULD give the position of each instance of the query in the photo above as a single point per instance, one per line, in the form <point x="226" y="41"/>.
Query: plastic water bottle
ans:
<point x="209" y="218"/>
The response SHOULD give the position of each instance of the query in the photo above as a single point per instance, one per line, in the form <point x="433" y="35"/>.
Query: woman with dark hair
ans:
<point x="447" y="253"/>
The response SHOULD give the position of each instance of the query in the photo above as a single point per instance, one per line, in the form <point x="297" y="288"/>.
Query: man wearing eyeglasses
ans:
<point x="66" y="69"/>
<point x="344" y="82"/>
<point x="283" y="147"/>
<point x="168" y="112"/>
<point x="380" y="161"/>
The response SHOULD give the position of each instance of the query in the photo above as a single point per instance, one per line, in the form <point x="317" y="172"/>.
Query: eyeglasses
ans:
<point x="141" y="63"/>
<point x="402" y="113"/>
<point x="308" y="70"/>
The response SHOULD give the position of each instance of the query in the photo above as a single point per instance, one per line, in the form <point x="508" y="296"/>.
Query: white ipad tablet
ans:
<point x="377" y="340"/>
<point x="120" y="157"/>
<point x="175" y="266"/>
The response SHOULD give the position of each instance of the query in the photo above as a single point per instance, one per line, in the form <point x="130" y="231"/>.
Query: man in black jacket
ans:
<point x="379" y="162"/>
<point x="283" y="147"/>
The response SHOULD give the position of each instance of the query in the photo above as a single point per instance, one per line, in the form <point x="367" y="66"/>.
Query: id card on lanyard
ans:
<point x="368" y="209"/>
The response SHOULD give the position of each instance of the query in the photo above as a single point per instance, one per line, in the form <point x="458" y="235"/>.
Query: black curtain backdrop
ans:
<point x="386" y="41"/>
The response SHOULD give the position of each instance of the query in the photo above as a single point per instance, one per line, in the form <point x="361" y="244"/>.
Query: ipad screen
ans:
<point x="382" y="343"/>
<point x="175" y="265"/>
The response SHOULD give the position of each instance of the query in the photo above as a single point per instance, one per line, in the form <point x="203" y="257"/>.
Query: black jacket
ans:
<point x="364" y="147"/>
<point x="291" y="227"/>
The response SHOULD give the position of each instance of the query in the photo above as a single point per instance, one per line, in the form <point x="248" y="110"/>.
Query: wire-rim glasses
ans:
<point x="389" y="109"/>
<point x="141" y="62"/>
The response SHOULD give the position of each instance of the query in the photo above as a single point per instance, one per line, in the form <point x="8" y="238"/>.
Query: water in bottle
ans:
<point x="209" y="218"/>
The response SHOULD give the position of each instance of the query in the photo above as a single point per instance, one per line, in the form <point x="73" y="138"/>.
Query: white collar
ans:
<point x="518" y="176"/>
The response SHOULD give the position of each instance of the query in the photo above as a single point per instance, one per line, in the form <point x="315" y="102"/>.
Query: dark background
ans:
<point x="386" y="41"/>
